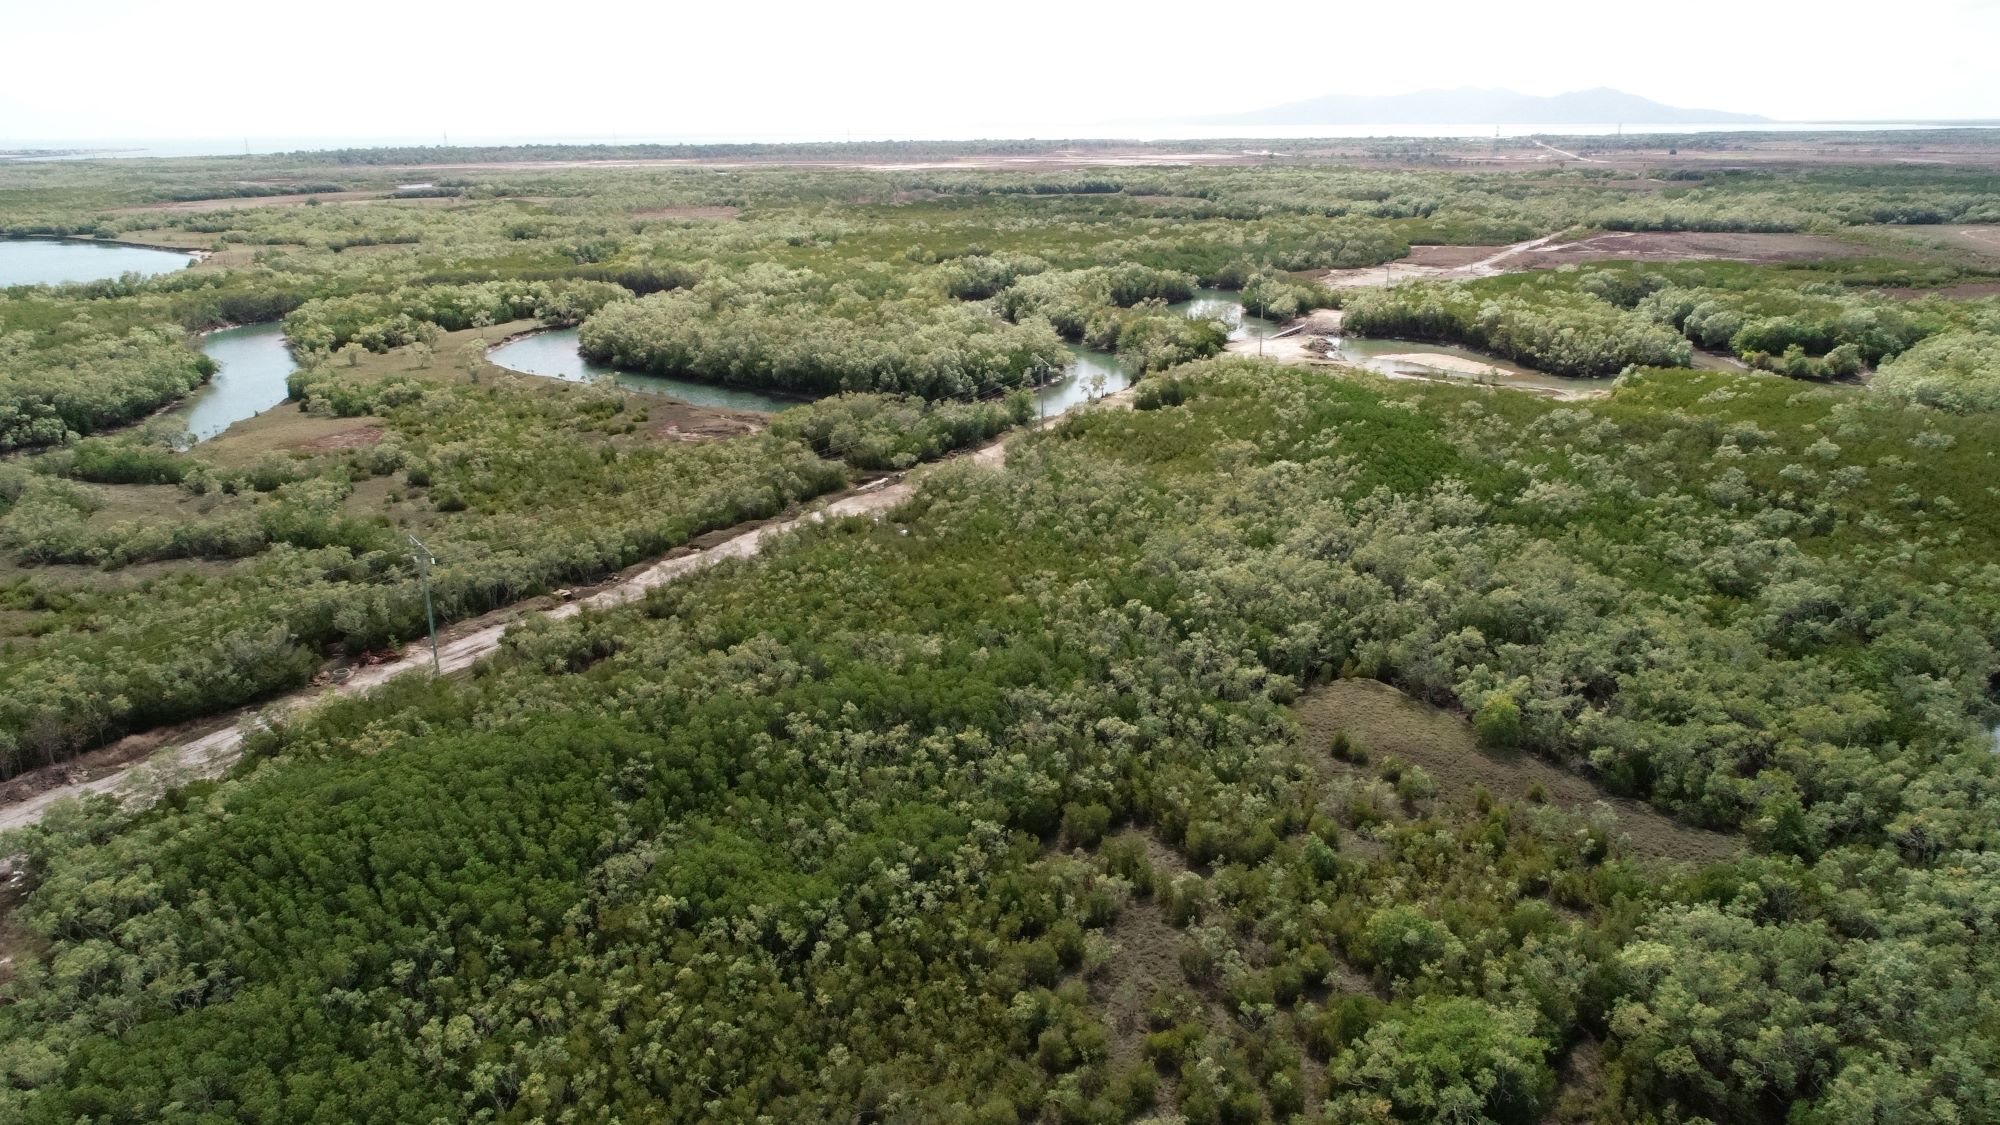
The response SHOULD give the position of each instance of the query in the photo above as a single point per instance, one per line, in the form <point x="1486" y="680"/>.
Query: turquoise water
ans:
<point x="54" y="261"/>
<point x="553" y="354"/>
<point x="1224" y="306"/>
<point x="254" y="364"/>
<point x="1091" y="374"/>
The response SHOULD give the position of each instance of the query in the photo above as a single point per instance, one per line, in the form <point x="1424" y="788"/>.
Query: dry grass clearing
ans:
<point x="1386" y="722"/>
<point x="1977" y="246"/>
<point x="1148" y="961"/>
<point x="204" y="206"/>
<point x="688" y="213"/>
<point x="360" y="437"/>
<point x="284" y="429"/>
<point x="332" y="198"/>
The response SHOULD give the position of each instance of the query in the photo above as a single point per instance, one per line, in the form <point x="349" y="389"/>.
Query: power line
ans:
<point x="425" y="560"/>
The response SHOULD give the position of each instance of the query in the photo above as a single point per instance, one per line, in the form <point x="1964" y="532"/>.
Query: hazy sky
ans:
<point x="583" y="68"/>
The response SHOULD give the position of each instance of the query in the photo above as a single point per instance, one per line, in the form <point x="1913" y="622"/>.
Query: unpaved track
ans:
<point x="1567" y="153"/>
<point x="212" y="754"/>
<point x="1489" y="266"/>
<point x="1390" y="273"/>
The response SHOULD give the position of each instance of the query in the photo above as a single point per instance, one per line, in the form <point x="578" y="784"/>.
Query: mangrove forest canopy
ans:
<point x="1272" y="741"/>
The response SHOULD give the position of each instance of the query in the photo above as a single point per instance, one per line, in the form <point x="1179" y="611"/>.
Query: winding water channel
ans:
<point x="253" y="365"/>
<point x="1090" y="373"/>
<point x="252" y="361"/>
<point x="554" y="354"/>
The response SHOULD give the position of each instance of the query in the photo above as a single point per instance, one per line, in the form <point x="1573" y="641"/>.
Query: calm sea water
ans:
<point x="979" y="130"/>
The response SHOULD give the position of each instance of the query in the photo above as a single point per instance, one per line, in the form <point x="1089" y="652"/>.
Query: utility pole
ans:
<point x="425" y="561"/>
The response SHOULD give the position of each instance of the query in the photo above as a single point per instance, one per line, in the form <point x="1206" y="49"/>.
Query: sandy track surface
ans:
<point x="1567" y="154"/>
<point x="1298" y="343"/>
<point x="1459" y="263"/>
<point x="1417" y="267"/>
<point x="1688" y="246"/>
<point x="211" y="754"/>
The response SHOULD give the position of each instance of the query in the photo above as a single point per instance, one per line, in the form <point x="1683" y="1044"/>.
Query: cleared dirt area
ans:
<point x="678" y="421"/>
<point x="1288" y="349"/>
<point x="1386" y="722"/>
<point x="1440" y="263"/>
<point x="1457" y="263"/>
<point x="1686" y="246"/>
<point x="1425" y="263"/>
<point x="1456" y="363"/>
<point x="1448" y="257"/>
<point x="1718" y="151"/>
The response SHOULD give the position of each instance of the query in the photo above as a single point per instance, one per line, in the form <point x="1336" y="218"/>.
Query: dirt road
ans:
<point x="1567" y="153"/>
<point x="212" y="754"/>
<point x="1389" y="273"/>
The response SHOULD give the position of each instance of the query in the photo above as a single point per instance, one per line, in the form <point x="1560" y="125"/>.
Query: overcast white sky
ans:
<point x="510" y="68"/>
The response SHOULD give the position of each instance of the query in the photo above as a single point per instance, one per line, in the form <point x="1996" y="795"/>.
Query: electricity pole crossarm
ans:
<point x="425" y="561"/>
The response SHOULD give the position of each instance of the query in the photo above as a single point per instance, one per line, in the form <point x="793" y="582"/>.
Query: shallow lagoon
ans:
<point x="61" y="261"/>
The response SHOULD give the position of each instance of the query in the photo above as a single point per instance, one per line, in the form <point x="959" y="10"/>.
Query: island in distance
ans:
<point x="1473" y="106"/>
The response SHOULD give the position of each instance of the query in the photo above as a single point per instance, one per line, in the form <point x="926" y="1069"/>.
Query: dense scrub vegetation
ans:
<point x="51" y="392"/>
<point x="794" y="330"/>
<point x="521" y="491"/>
<point x="886" y="799"/>
<point x="871" y="431"/>
<point x="1277" y="297"/>
<point x="1571" y="334"/>
<point x="1954" y="370"/>
<point x="1831" y="321"/>
<point x="380" y="321"/>
<point x="999" y="810"/>
<point x="1117" y="308"/>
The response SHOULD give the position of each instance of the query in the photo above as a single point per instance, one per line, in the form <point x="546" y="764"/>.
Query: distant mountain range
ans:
<point x="1469" y="106"/>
